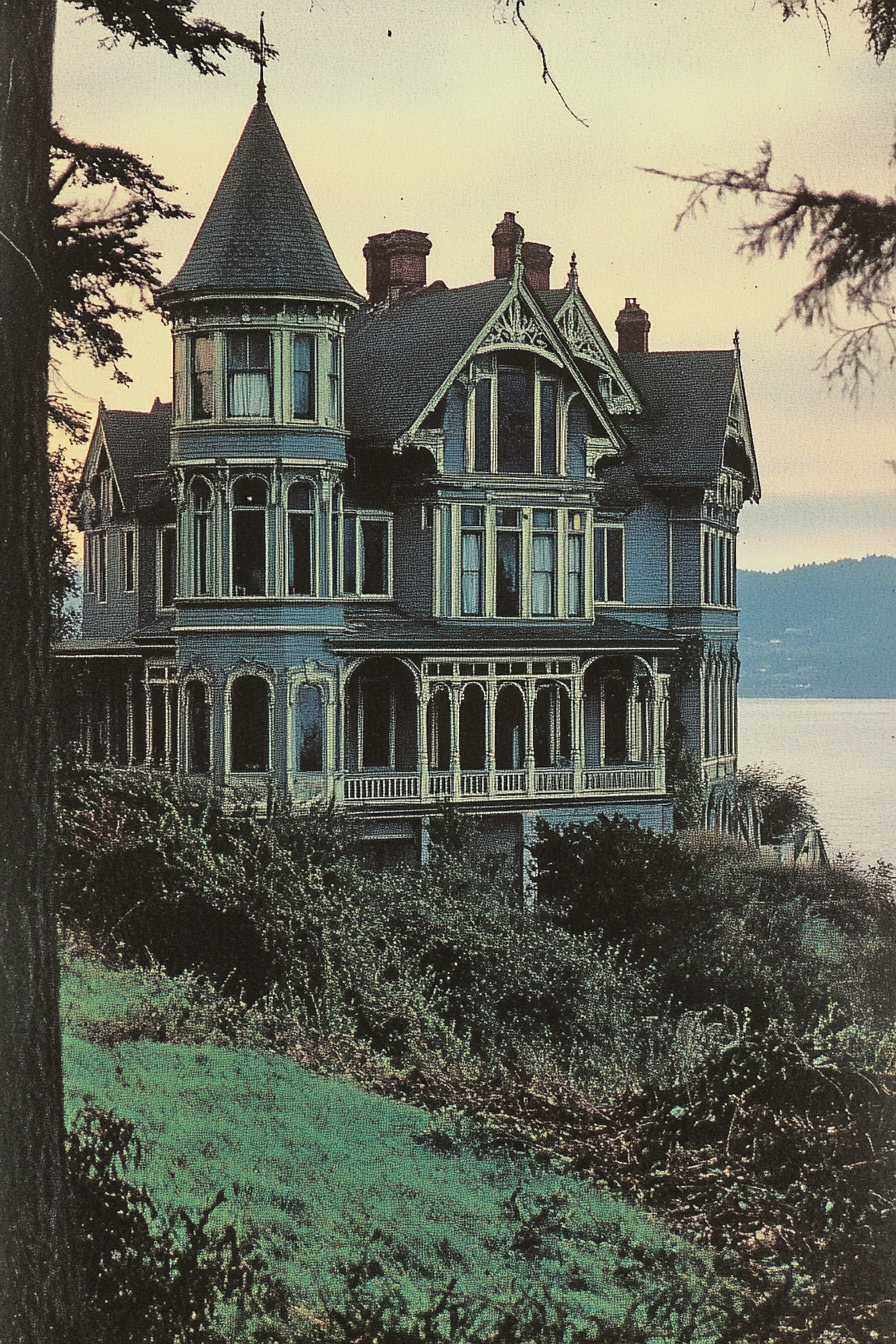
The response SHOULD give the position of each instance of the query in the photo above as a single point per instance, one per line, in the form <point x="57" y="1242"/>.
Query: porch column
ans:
<point x="631" y="718"/>
<point x="577" y="729"/>
<point x="147" y="685"/>
<point x="129" y="717"/>
<point x="169" y="727"/>
<point x="422" y="739"/>
<point x="107" y="710"/>
<point x="455" y="693"/>
<point x="491" y="696"/>
<point x="529" y="759"/>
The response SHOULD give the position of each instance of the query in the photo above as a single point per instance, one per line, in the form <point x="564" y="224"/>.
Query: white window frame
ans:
<point x="160" y="564"/>
<point x="125" y="534"/>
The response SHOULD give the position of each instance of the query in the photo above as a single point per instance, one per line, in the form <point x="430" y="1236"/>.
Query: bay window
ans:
<point x="508" y="540"/>
<point x="249" y="388"/>
<point x="202" y="508"/>
<point x="303" y="357"/>
<point x="300" y="518"/>
<point x="249" y="537"/>
<point x="202" y="376"/>
<point x="575" y="565"/>
<point x="472" y="547"/>
<point x="544" y="562"/>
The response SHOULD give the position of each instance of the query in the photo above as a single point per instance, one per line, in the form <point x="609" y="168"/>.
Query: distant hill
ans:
<point x="820" y="630"/>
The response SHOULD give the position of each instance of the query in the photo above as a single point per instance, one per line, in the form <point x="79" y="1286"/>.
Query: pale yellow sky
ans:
<point x="431" y="114"/>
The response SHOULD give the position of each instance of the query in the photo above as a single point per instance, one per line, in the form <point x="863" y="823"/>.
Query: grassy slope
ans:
<point x="315" y="1165"/>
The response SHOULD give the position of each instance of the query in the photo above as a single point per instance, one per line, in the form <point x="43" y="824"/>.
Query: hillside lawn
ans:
<point x="321" y="1173"/>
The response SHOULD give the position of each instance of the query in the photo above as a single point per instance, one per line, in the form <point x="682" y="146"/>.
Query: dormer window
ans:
<point x="516" y="421"/>
<point x="249" y="392"/>
<point x="303" y="355"/>
<point x="202" y="377"/>
<point x="516" y="418"/>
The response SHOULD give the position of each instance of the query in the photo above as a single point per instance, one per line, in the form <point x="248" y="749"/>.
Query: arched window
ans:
<point x="300" y="515"/>
<point x="249" y="725"/>
<point x="198" y="730"/>
<point x="202" y="508"/>
<point x="516" y="416"/>
<point x="309" y="729"/>
<point x="249" y="534"/>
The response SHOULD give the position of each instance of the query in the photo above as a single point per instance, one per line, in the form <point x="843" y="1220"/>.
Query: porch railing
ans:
<point x="445" y="784"/>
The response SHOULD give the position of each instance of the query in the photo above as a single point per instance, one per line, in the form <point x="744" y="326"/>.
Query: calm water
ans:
<point x="846" y="752"/>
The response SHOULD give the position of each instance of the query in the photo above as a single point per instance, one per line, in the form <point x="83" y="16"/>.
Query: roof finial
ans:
<point x="736" y="339"/>
<point x="572" y="280"/>
<point x="261" y="58"/>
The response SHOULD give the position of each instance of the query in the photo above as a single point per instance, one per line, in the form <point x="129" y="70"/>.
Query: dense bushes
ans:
<point x="722" y="930"/>
<point x="708" y="1032"/>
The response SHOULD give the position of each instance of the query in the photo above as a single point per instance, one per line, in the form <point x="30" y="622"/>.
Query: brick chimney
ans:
<point x="632" y="326"/>
<point x="537" y="259"/>
<point x="396" y="264"/>
<point x="504" y="240"/>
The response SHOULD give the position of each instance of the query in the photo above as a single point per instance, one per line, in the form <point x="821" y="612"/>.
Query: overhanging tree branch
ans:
<point x="851" y="248"/>
<point x="168" y="24"/>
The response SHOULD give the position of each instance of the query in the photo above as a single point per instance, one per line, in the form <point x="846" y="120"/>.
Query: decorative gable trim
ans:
<point x="517" y="324"/>
<point x="587" y="340"/>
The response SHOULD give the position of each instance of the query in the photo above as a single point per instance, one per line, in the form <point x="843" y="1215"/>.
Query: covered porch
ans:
<point x="448" y="730"/>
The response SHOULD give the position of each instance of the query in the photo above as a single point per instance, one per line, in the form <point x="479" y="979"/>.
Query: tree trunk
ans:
<point x="35" y="1307"/>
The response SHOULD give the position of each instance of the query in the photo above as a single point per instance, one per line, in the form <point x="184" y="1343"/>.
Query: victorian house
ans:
<point x="432" y="545"/>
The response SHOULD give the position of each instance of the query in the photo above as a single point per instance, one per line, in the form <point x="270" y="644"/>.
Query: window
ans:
<point x="609" y="565"/>
<point x="333" y="372"/>
<point x="544" y="562"/>
<point x="249" y="725"/>
<point x="249" y="374"/>
<point x="168" y="566"/>
<point x="249" y="537"/>
<point x="482" y="414"/>
<point x="300" y="515"/>
<point x="202" y="508"/>
<point x="365" y="555"/>
<point x="100" y="544"/>
<point x="507" y="568"/>
<point x="575" y="565"/>
<point x="198" y="729"/>
<point x="202" y="377"/>
<point x="719" y="582"/>
<point x="90" y="563"/>
<point x="128" y="577"/>
<point x="516" y="428"/>
<point x="472" y="548"/>
<point x="303" y="351"/>
<point x="549" y="466"/>
<point x="309" y="729"/>
<point x="105" y="493"/>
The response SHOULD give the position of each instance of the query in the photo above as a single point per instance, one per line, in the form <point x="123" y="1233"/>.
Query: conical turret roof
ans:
<point x="261" y="234"/>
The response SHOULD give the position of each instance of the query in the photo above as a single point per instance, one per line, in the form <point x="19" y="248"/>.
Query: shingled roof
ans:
<point x="686" y="394"/>
<point x="261" y="234"/>
<point x="138" y="444"/>
<point x="397" y="357"/>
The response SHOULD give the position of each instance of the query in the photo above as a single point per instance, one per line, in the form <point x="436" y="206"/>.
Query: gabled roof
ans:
<point x="261" y="234"/>
<point x="138" y="444"/>
<point x="399" y="358"/>
<point x="687" y="397"/>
